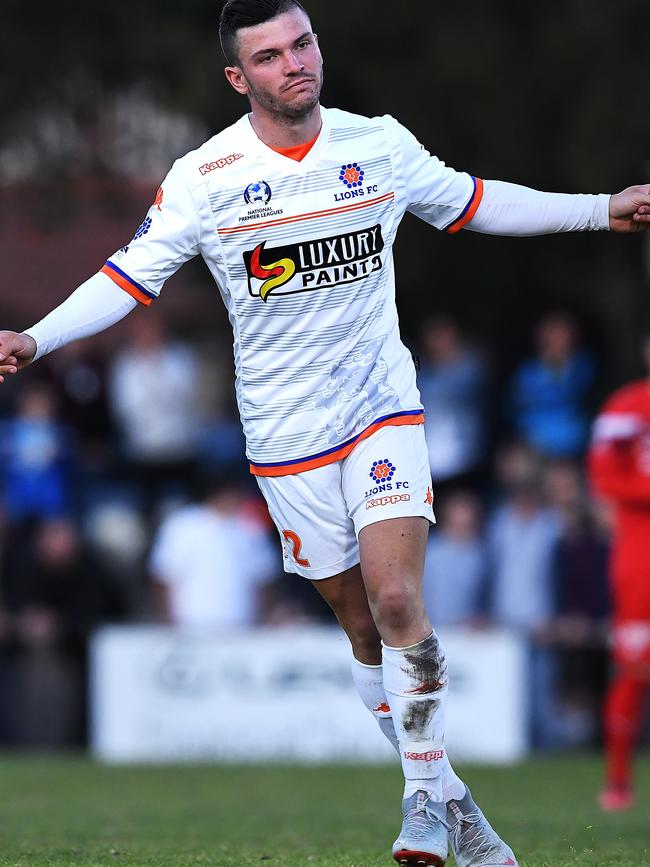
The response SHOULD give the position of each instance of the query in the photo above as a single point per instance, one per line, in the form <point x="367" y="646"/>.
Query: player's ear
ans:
<point x="236" y="78"/>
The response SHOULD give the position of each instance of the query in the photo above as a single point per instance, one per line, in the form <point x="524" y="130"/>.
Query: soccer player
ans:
<point x="295" y="209"/>
<point x="619" y="463"/>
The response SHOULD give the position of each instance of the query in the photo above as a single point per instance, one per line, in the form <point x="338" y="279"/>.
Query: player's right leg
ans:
<point x="623" y="712"/>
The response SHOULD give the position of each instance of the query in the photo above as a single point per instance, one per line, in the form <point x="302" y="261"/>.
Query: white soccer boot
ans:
<point x="423" y="840"/>
<point x="473" y="840"/>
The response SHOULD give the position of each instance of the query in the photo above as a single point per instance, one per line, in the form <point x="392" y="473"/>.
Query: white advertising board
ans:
<point x="164" y="695"/>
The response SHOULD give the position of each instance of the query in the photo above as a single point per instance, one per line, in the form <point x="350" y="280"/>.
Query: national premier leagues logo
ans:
<point x="258" y="193"/>
<point x="382" y="471"/>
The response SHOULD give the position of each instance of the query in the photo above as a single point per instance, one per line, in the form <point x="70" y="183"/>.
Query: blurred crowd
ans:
<point x="126" y="497"/>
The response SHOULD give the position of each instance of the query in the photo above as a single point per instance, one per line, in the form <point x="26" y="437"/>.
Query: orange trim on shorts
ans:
<point x="339" y="454"/>
<point x="473" y="208"/>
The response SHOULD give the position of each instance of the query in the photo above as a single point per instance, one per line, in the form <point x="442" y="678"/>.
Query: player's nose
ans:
<point x="293" y="63"/>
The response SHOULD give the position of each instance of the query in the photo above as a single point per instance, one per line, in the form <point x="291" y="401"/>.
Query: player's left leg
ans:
<point x="391" y="518"/>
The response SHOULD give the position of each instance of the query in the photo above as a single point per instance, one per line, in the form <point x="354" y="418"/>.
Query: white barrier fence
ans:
<point x="165" y="695"/>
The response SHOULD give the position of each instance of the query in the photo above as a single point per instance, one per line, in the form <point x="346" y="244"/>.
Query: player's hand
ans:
<point x="629" y="211"/>
<point x="16" y="352"/>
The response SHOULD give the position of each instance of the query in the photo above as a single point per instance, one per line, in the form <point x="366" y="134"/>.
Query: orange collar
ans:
<point x="297" y="152"/>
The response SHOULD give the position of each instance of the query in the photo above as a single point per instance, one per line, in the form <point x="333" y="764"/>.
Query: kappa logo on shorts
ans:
<point x="382" y="471"/>
<point x="388" y="500"/>
<point x="429" y="497"/>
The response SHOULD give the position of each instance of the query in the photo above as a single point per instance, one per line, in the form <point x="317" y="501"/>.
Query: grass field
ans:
<point x="69" y="811"/>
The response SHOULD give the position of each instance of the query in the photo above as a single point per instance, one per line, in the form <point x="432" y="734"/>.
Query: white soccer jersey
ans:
<point x="302" y="255"/>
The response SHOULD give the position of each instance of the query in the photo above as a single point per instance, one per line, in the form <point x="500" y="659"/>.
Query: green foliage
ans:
<point x="60" y="812"/>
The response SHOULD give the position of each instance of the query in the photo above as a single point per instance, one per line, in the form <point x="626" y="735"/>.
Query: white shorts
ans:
<point x="320" y="513"/>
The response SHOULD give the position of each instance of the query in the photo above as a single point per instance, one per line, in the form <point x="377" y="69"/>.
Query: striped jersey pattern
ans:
<point x="302" y="255"/>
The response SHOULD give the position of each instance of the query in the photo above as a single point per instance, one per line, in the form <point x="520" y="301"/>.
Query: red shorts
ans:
<point x="631" y="642"/>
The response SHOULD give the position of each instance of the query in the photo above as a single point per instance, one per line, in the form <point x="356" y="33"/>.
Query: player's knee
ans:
<point x="397" y="608"/>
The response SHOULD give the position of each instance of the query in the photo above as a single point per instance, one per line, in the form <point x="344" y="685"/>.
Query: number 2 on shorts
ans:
<point x="296" y="541"/>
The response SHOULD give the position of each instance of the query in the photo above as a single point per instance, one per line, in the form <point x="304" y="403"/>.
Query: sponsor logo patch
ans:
<point x="143" y="228"/>
<point x="352" y="175"/>
<point x="332" y="261"/>
<point x="382" y="471"/>
<point x="258" y="193"/>
<point x="220" y="163"/>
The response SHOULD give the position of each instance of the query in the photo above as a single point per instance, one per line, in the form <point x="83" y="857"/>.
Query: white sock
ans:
<point x="415" y="681"/>
<point x="369" y="681"/>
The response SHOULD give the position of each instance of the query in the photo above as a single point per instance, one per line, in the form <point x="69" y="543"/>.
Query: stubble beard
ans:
<point x="287" y="111"/>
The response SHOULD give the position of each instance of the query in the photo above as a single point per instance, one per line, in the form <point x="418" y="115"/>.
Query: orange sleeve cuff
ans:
<point x="470" y="210"/>
<point x="128" y="285"/>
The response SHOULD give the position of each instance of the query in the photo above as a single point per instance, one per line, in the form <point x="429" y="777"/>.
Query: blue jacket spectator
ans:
<point x="549" y="393"/>
<point x="36" y="452"/>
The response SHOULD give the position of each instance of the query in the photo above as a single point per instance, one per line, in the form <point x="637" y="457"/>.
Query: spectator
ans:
<point x="452" y="383"/>
<point x="37" y="454"/>
<point x="210" y="561"/>
<point x="579" y="628"/>
<point x="455" y="566"/>
<point x="523" y="536"/>
<point x="79" y="372"/>
<point x="56" y="593"/>
<point x="153" y="390"/>
<point x="550" y="392"/>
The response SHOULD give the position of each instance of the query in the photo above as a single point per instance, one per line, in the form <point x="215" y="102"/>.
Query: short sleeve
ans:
<point x="168" y="237"/>
<point x="436" y="193"/>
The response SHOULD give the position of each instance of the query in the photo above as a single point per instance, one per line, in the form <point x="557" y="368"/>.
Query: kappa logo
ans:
<point x="429" y="497"/>
<point x="388" y="500"/>
<point x="157" y="202"/>
<point x="220" y="163"/>
<point x="429" y="756"/>
<point x="311" y="265"/>
<point x="381" y="708"/>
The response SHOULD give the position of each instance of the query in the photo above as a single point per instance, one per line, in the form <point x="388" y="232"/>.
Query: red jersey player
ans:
<point x="619" y="465"/>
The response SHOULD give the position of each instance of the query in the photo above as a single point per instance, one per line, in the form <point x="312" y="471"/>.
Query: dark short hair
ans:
<point x="237" y="14"/>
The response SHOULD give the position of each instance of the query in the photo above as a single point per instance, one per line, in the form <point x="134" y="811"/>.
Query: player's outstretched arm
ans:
<point x="512" y="209"/>
<point x="16" y="352"/>
<point x="94" y="306"/>
<point x="629" y="210"/>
